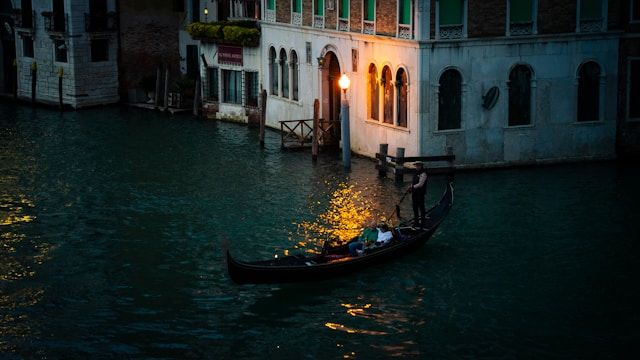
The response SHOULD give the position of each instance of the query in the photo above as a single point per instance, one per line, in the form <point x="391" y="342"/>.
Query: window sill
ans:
<point x="448" y="131"/>
<point x="595" y="122"/>
<point x="294" y="102"/>
<point x="519" y="127"/>
<point x="389" y="126"/>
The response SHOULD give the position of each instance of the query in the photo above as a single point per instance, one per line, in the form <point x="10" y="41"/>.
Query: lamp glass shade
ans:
<point x="344" y="82"/>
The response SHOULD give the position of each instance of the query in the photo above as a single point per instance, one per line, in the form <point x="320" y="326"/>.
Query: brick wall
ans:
<point x="307" y="12"/>
<point x="486" y="18"/>
<point x="386" y="17"/>
<point x="556" y="16"/>
<point x="149" y="37"/>
<point x="330" y="16"/>
<point x="355" y="15"/>
<point x="283" y="11"/>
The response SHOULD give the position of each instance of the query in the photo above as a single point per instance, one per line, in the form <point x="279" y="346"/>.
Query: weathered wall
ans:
<point x="149" y="31"/>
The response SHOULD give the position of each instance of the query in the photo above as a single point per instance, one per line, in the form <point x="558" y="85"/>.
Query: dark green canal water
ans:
<point x="113" y="224"/>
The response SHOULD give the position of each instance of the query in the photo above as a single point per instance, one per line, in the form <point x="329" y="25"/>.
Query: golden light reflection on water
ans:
<point x="347" y="213"/>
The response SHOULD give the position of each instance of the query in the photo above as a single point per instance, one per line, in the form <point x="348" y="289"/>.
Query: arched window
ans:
<point x="284" y="70"/>
<point x="520" y="96"/>
<point x="401" y="85"/>
<point x="374" y="93"/>
<point x="589" y="92"/>
<point x="387" y="85"/>
<point x="273" y="71"/>
<point x="450" y="100"/>
<point x="294" y="75"/>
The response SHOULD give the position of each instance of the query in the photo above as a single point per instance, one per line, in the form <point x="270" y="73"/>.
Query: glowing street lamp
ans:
<point x="206" y="13"/>
<point x="344" y="83"/>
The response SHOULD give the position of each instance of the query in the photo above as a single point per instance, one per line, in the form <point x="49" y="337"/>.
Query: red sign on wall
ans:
<point x="231" y="55"/>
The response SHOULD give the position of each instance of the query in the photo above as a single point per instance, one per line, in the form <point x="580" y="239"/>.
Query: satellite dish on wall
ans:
<point x="490" y="98"/>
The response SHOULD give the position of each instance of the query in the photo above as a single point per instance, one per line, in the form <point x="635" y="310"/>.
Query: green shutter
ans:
<point x="405" y="12"/>
<point x="521" y="11"/>
<point x="320" y="7"/>
<point x="590" y="9"/>
<point x="271" y="4"/>
<point x="450" y="12"/>
<point x="297" y="6"/>
<point x="344" y="9"/>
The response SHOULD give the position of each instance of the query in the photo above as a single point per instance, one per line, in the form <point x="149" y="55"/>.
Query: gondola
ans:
<point x="333" y="262"/>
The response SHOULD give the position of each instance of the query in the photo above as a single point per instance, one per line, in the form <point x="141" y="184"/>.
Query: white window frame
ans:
<point x="534" y="20"/>
<point x="588" y="27"/>
<point x="465" y="11"/>
<point x="628" y="95"/>
<point x="369" y="26"/>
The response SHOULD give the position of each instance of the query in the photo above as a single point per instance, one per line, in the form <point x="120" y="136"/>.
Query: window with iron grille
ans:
<point x="251" y="88"/>
<point x="232" y="86"/>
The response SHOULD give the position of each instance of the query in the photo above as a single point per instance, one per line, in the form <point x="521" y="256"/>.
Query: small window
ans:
<point x="319" y="8"/>
<point x="99" y="50"/>
<point x="344" y="9"/>
<point x="387" y="83"/>
<point x="404" y="15"/>
<point x="61" y="51"/>
<point x="195" y="10"/>
<point x="369" y="9"/>
<point x="212" y="76"/>
<point x="27" y="46"/>
<point x="284" y="70"/>
<point x="251" y="88"/>
<point x="232" y="86"/>
<point x="520" y="96"/>
<point x="294" y="75"/>
<point x="590" y="10"/>
<point x="634" y="89"/>
<point x="451" y="12"/>
<point x="450" y="100"/>
<point x="589" y="92"/>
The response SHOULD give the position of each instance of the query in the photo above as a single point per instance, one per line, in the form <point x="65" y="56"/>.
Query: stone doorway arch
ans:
<point x="330" y="94"/>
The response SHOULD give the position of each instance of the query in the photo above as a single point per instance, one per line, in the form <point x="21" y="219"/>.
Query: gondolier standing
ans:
<point x="418" y="190"/>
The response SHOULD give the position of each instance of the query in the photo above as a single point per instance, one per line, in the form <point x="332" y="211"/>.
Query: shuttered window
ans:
<point x="450" y="12"/>
<point x="271" y="4"/>
<point x="251" y="88"/>
<point x="369" y="10"/>
<point x="344" y="9"/>
<point x="297" y="6"/>
<point x="319" y="9"/>
<point x="590" y="9"/>
<point x="405" y="12"/>
<point x="232" y="86"/>
<point x="520" y="11"/>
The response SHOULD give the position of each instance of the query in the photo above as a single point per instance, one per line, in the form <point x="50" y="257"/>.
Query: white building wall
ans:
<point x="554" y="133"/>
<point x="85" y="83"/>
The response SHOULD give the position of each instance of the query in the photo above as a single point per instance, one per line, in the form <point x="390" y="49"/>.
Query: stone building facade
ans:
<point x="497" y="81"/>
<point x="75" y="40"/>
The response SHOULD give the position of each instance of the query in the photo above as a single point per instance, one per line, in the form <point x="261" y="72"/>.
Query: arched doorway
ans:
<point x="8" y="76"/>
<point x="330" y="74"/>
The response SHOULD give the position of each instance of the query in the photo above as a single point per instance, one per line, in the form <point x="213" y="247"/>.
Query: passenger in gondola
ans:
<point x="367" y="238"/>
<point x="384" y="235"/>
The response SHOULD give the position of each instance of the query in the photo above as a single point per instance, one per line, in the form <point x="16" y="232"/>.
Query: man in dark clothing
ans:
<point x="418" y="190"/>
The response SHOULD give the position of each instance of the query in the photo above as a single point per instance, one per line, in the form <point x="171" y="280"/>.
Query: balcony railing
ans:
<point x="368" y="27"/>
<point x="451" y="31"/>
<point x="591" y="25"/>
<point x="343" y="24"/>
<point x="318" y="21"/>
<point x="100" y="23"/>
<point x="55" y="22"/>
<point x="521" y="28"/>
<point x="405" y="31"/>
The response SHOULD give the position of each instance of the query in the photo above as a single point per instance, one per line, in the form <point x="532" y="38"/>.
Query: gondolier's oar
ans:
<point x="397" y="208"/>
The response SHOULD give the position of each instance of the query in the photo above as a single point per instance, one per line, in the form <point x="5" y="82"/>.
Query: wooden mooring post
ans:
<point x="314" y="144"/>
<point x="263" y="115"/>
<point x="397" y="162"/>
<point x="196" y="98"/>
<point x="34" y="80"/>
<point x="382" y="160"/>
<point x="156" y="101"/>
<point x="60" y="75"/>
<point x="399" y="167"/>
<point x="166" y="88"/>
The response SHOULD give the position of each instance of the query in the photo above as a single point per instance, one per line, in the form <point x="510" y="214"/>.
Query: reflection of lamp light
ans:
<point x="320" y="61"/>
<point x="206" y="13"/>
<point x="344" y="83"/>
